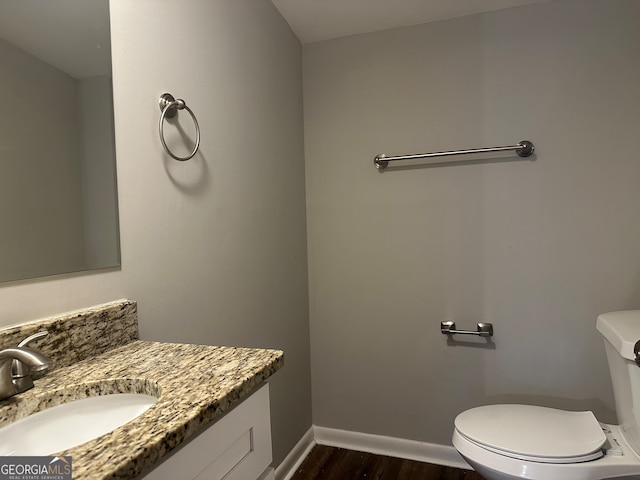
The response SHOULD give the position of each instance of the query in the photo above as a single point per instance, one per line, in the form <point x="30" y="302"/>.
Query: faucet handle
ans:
<point x="33" y="337"/>
<point x="19" y="370"/>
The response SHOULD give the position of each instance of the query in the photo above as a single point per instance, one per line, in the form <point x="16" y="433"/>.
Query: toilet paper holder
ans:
<point x="483" y="329"/>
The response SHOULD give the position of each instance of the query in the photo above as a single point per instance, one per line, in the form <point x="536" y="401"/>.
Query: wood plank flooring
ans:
<point x="330" y="463"/>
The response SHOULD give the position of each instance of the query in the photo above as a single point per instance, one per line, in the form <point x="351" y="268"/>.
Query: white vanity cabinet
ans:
<point x="236" y="447"/>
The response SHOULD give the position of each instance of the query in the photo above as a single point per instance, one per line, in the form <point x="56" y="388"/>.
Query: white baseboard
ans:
<point x="393" y="447"/>
<point x="365" y="442"/>
<point x="292" y="461"/>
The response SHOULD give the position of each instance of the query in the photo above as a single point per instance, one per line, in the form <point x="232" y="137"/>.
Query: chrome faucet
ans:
<point x="18" y="364"/>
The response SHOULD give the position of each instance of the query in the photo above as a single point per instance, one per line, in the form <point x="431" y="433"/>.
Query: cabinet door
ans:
<point x="236" y="447"/>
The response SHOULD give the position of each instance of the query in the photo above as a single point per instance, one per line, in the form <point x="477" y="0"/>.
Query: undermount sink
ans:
<point x="70" y="424"/>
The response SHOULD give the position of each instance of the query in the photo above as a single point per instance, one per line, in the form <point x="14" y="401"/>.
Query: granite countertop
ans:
<point x="195" y="385"/>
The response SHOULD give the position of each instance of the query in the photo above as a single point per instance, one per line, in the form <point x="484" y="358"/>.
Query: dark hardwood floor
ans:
<point x="330" y="463"/>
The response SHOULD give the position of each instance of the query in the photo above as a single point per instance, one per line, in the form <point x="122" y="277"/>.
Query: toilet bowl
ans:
<point x="509" y="442"/>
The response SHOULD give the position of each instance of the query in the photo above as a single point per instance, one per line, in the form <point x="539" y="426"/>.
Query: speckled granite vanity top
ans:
<point x="195" y="385"/>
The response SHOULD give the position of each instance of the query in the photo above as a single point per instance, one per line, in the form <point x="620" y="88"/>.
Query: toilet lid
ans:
<point x="531" y="433"/>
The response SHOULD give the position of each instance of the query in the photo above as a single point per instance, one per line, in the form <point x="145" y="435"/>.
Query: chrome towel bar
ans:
<point x="483" y="329"/>
<point x="523" y="149"/>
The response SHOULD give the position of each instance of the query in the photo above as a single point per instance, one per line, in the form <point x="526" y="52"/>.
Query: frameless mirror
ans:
<point x="58" y="201"/>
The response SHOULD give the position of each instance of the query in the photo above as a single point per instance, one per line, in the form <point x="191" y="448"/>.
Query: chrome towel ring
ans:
<point x="170" y="107"/>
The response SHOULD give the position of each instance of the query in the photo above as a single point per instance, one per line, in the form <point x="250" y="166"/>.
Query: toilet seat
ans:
<point x="535" y="434"/>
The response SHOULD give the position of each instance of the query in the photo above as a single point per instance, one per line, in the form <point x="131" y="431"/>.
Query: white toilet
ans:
<point x="508" y="442"/>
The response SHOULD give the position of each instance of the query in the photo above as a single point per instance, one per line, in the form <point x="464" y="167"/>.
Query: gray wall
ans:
<point x="214" y="249"/>
<point x="539" y="248"/>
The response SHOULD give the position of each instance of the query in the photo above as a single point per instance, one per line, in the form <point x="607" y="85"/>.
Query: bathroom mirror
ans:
<point x="58" y="201"/>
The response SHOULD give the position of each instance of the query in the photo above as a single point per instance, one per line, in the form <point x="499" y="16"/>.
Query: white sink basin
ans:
<point x="64" y="426"/>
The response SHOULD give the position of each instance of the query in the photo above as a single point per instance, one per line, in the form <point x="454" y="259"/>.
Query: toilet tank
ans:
<point x="621" y="331"/>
